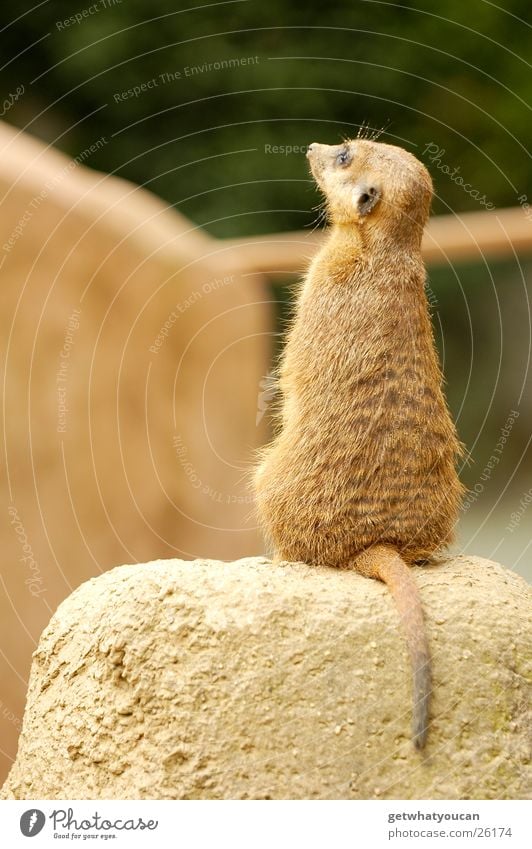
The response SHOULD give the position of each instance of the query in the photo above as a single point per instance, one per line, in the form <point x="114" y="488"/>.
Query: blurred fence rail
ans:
<point x="470" y="236"/>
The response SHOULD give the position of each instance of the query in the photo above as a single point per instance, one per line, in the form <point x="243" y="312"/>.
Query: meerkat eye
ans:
<point x="343" y="158"/>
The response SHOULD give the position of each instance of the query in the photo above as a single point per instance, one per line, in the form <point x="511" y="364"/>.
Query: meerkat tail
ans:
<point x="384" y="563"/>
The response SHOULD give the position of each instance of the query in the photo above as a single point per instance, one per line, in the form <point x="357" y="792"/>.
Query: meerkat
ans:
<point x="362" y="472"/>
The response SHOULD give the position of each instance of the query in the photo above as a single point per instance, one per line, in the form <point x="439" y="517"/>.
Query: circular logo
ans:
<point x="32" y="822"/>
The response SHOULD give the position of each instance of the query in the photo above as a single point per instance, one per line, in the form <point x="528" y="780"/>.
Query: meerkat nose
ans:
<point x="310" y="148"/>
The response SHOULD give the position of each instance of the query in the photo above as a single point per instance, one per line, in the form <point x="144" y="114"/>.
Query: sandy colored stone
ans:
<point x="245" y="680"/>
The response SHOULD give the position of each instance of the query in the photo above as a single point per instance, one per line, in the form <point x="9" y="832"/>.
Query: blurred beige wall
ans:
<point x="133" y="352"/>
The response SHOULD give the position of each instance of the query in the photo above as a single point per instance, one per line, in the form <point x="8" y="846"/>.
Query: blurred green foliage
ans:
<point x="455" y="74"/>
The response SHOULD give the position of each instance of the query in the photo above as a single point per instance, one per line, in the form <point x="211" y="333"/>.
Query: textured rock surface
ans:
<point x="185" y="680"/>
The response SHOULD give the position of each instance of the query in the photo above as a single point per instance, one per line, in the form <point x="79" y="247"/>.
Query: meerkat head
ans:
<point x="374" y="186"/>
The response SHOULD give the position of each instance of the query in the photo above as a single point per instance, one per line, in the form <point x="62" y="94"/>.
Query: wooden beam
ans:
<point x="448" y="239"/>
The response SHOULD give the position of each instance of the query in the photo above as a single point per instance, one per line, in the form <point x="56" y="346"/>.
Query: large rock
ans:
<point x="211" y="680"/>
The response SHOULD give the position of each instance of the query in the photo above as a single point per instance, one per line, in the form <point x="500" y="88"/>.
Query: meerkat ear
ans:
<point x="366" y="197"/>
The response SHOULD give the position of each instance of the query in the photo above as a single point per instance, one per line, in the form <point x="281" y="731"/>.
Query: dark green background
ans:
<point x="453" y="73"/>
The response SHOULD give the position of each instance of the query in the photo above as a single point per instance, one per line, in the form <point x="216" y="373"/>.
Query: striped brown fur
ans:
<point x="362" y="473"/>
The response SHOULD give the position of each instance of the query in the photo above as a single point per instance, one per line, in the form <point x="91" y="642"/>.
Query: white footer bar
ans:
<point x="267" y="824"/>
